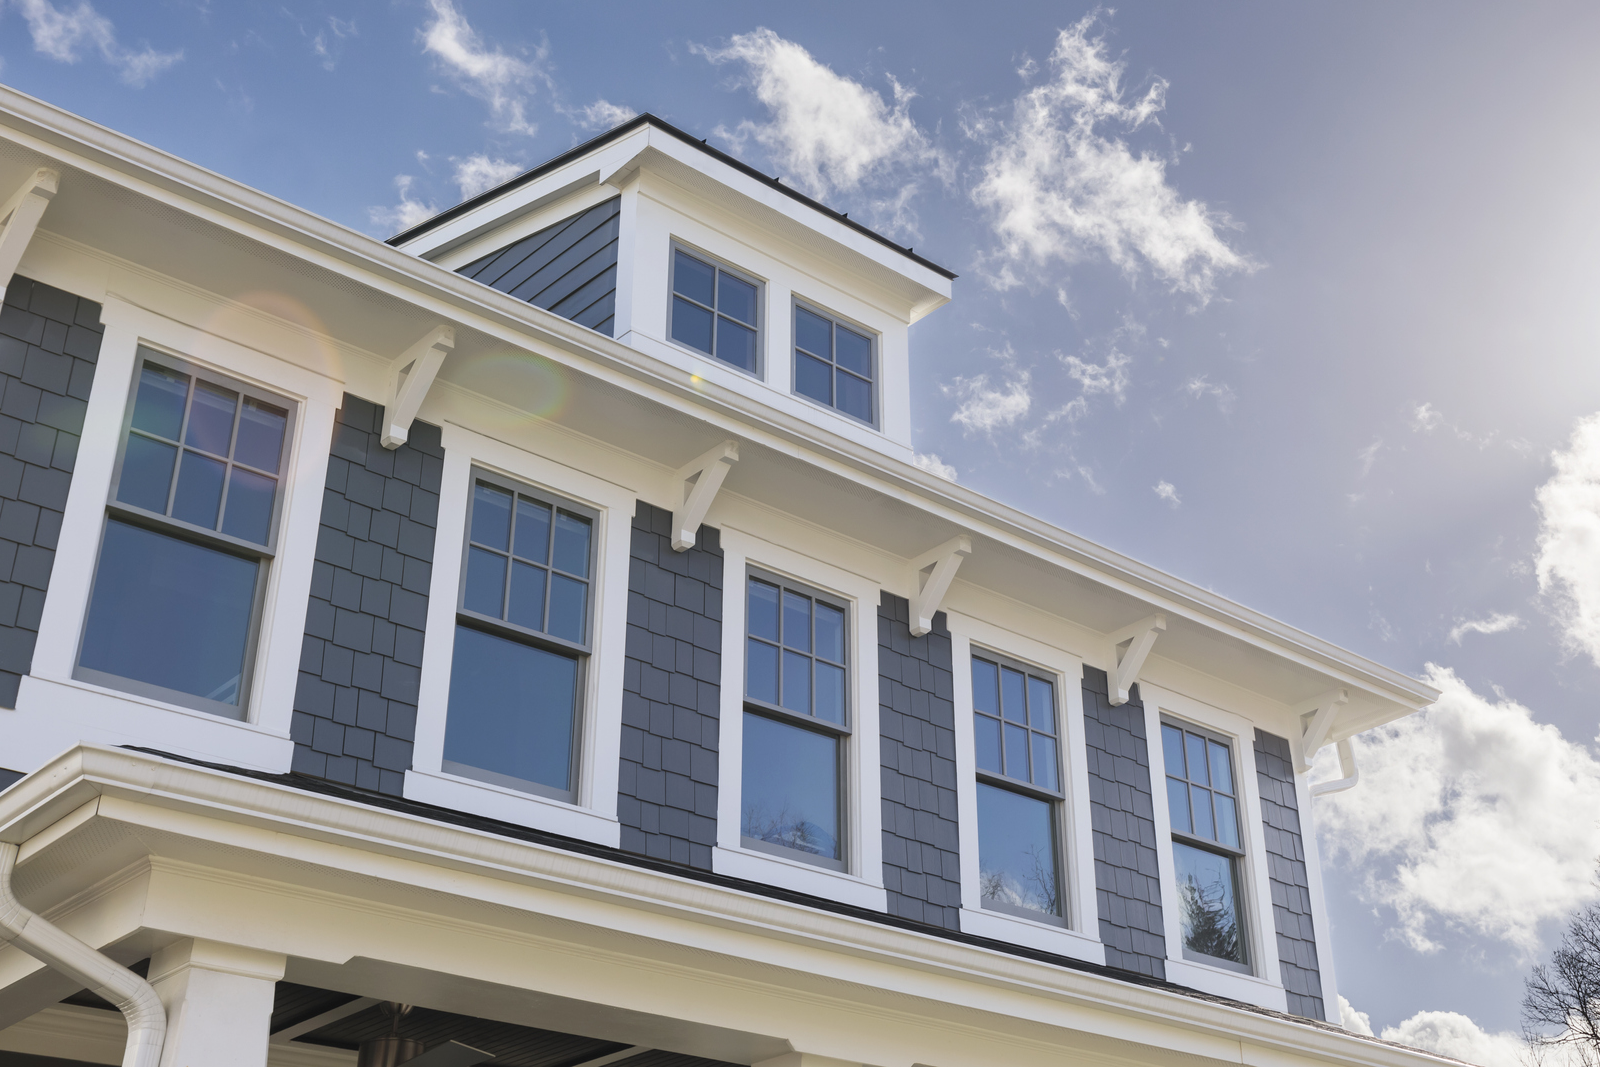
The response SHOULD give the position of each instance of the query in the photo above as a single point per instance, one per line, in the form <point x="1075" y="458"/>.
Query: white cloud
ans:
<point x="1495" y="624"/>
<point x="1058" y="187"/>
<point x="407" y="213"/>
<point x="1470" y="816"/>
<point x="1357" y="1022"/>
<point x="478" y="173"/>
<point x="1452" y="1034"/>
<point x="1202" y="387"/>
<point x="985" y="408"/>
<point x="827" y="132"/>
<point x="1568" y="563"/>
<point x="326" y="43"/>
<point x="1424" y="419"/>
<point x="503" y="81"/>
<point x="602" y="115"/>
<point x="1167" y="491"/>
<point x="1108" y="377"/>
<point x="1369" y="455"/>
<point x="930" y="462"/>
<point x="65" y="33"/>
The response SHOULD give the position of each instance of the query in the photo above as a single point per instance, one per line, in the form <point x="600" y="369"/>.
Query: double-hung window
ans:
<point x="1018" y="761"/>
<point x="834" y="363"/>
<point x="191" y="530"/>
<point x="796" y="722"/>
<point x="522" y="640"/>
<point x="716" y="310"/>
<point x="1203" y="801"/>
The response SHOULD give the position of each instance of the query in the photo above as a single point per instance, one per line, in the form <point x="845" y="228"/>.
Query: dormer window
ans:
<point x="835" y="363"/>
<point x="716" y="310"/>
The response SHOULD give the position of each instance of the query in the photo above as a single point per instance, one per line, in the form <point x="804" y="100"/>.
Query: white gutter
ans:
<point x="48" y="943"/>
<point x="1347" y="765"/>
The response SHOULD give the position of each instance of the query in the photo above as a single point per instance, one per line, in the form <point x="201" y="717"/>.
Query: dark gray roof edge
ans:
<point x="665" y="127"/>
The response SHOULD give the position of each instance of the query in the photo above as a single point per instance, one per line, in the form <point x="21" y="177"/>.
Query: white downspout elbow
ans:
<point x="1347" y="766"/>
<point x="48" y="943"/>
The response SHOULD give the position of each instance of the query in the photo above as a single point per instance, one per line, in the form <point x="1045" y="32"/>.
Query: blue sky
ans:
<point x="1296" y="301"/>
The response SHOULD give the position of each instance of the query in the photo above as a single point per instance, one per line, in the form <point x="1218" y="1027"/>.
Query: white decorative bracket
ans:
<point x="1317" y="717"/>
<point x="20" y="217"/>
<point x="1347" y="767"/>
<point x="696" y="485"/>
<point x="932" y="586"/>
<point x="1141" y="638"/>
<point x="410" y="378"/>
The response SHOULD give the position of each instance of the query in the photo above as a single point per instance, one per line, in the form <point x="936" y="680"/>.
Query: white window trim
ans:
<point x="861" y="883"/>
<point x="1080" y="938"/>
<point x="1263" y="985"/>
<point x="592" y="816"/>
<point x="80" y="709"/>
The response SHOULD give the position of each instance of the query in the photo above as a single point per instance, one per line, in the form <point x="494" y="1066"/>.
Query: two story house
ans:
<point x="530" y="641"/>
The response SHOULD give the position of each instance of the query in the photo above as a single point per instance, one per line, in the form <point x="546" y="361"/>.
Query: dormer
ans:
<point x="680" y="251"/>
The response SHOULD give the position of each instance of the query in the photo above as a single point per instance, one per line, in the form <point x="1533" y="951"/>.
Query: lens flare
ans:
<point x="308" y="346"/>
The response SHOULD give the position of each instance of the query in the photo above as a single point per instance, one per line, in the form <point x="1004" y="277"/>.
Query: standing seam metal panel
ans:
<point x="569" y="267"/>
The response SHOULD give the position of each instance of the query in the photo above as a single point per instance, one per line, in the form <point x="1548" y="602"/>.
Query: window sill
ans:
<point x="800" y="876"/>
<point x="1226" y="983"/>
<point x="1032" y="933"/>
<point x="477" y="797"/>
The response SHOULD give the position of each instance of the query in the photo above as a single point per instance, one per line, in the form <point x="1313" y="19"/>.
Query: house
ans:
<point x="530" y="641"/>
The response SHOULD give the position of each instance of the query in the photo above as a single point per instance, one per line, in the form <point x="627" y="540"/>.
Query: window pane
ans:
<point x="986" y="733"/>
<point x="797" y="682"/>
<point x="572" y="544"/>
<point x="527" y="596"/>
<point x="855" y="396"/>
<point x="797" y="621"/>
<point x="511" y="709"/>
<point x="1172" y="750"/>
<point x="693" y="278"/>
<point x="852" y="351"/>
<point x="491" y="516"/>
<point x="533" y="530"/>
<point x="169" y="612"/>
<point x="812" y="333"/>
<point x="761" y="671"/>
<point x="260" y="440"/>
<point x="1178" y="805"/>
<point x="1200" y="800"/>
<point x="1207" y="901"/>
<point x="1012" y="701"/>
<point x="1041" y="705"/>
<point x="763" y="620"/>
<point x="736" y="344"/>
<point x="1016" y="752"/>
<point x="1221" y="767"/>
<point x="567" y="608"/>
<point x="1195" y="747"/>
<point x="813" y="378"/>
<point x="211" y="418"/>
<point x="691" y="325"/>
<point x="830" y="693"/>
<point x="146" y="473"/>
<point x="249" y="511"/>
<point x="158" y="407"/>
<point x="830" y="632"/>
<point x="985" y="687"/>
<point x="1227" y="820"/>
<point x="1016" y="851"/>
<point x="790" y="787"/>
<point x="736" y="298"/>
<point x="1044" y="762"/>
<point x="199" y="495"/>
<point x="485" y="591"/>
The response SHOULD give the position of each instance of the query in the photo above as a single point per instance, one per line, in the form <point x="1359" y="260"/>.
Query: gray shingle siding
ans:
<point x="917" y="751"/>
<point x="569" y="268"/>
<point x="49" y="345"/>
<point x="355" y="707"/>
<point x="1126" y="878"/>
<point x="1286" y="870"/>
<point x="671" y="693"/>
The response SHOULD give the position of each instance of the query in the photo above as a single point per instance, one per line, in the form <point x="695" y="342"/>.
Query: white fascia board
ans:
<point x="78" y="143"/>
<point x="216" y="808"/>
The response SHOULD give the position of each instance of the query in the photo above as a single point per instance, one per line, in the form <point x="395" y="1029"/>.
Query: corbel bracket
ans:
<point x="20" y="217"/>
<point x="1317" y="719"/>
<point x="1141" y="638"/>
<point x="1347" y="767"/>
<point x="410" y="378"/>
<point x="934" y="583"/>
<point x="695" y="484"/>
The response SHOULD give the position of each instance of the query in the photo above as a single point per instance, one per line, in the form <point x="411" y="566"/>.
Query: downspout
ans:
<point x="1347" y="766"/>
<point x="48" y="943"/>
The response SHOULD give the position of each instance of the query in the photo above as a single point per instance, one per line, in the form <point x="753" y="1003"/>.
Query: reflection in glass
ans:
<point x="763" y="621"/>
<point x="853" y="352"/>
<point x="1012" y="702"/>
<point x="260" y="440"/>
<point x="830" y="633"/>
<point x="736" y="298"/>
<point x="158" y="407"/>
<point x="796" y="621"/>
<point x="146" y="473"/>
<point x="533" y="530"/>
<point x="1016" y="851"/>
<point x="572" y="544"/>
<point x="812" y="333"/>
<point x="790" y="787"/>
<point x="491" y="516"/>
<point x="1172" y="750"/>
<point x="211" y="419"/>
<point x="511" y="709"/>
<point x="1208" y="900"/>
<point x="693" y="278"/>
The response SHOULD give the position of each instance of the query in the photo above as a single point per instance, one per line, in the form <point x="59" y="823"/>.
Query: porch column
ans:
<point x="219" y="1002"/>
